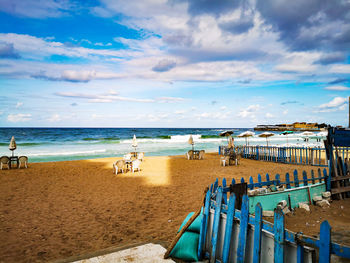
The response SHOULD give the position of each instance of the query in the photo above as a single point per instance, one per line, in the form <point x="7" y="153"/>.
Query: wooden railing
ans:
<point x="231" y="235"/>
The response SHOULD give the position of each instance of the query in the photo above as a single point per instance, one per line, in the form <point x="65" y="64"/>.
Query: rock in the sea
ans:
<point x="304" y="206"/>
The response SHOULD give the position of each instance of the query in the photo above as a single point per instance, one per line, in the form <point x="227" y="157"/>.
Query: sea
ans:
<point x="62" y="144"/>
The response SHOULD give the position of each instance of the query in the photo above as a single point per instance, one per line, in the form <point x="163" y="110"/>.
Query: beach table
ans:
<point x="13" y="159"/>
<point x="195" y="154"/>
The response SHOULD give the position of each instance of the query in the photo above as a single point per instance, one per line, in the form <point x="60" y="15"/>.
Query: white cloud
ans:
<point x="285" y="112"/>
<point x="19" y="117"/>
<point x="337" y="88"/>
<point x="269" y="115"/>
<point x="55" y="118"/>
<point x="340" y="68"/>
<point x="338" y="103"/>
<point x="19" y="104"/>
<point x="250" y="111"/>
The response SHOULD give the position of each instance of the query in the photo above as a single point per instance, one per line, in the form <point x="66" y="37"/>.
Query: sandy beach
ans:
<point x="56" y="210"/>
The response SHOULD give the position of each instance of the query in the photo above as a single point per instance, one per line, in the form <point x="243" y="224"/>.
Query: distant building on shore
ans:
<point x="296" y="126"/>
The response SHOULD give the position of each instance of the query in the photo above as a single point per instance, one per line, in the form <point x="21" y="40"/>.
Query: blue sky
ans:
<point x="173" y="63"/>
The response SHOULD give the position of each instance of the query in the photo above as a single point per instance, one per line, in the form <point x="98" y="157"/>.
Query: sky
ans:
<point x="173" y="63"/>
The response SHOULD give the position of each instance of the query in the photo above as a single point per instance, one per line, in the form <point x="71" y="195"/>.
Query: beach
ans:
<point x="56" y="210"/>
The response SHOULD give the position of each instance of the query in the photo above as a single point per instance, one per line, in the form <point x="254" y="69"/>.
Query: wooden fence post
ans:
<point x="243" y="228"/>
<point x="228" y="228"/>
<point x="257" y="233"/>
<point x="325" y="243"/>
<point x="296" y="180"/>
<point x="216" y="224"/>
<point x="278" y="230"/>
<point x="204" y="226"/>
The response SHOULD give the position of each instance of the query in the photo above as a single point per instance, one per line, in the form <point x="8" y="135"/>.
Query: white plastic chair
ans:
<point x="118" y="165"/>
<point x="201" y="155"/>
<point x="22" y="160"/>
<point x="140" y="156"/>
<point x="136" y="165"/>
<point x="4" y="160"/>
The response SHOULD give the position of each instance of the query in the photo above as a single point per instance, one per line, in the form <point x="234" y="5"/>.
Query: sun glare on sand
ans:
<point x="154" y="171"/>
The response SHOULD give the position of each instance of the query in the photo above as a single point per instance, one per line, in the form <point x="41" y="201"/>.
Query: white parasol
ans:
<point x="246" y="134"/>
<point x="266" y="135"/>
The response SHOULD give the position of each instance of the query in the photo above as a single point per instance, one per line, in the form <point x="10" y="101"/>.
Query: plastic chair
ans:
<point x="4" y="160"/>
<point x="22" y="160"/>
<point x="136" y="165"/>
<point x="118" y="165"/>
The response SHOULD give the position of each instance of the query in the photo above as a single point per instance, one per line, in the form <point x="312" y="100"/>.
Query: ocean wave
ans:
<point x="67" y="153"/>
<point x="101" y="139"/>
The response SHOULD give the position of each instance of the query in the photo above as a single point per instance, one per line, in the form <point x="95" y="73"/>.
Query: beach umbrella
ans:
<point x="12" y="145"/>
<point x="307" y="133"/>
<point x="134" y="142"/>
<point x="226" y="134"/>
<point x="246" y="134"/>
<point x="286" y="134"/>
<point x="190" y="141"/>
<point x="266" y="135"/>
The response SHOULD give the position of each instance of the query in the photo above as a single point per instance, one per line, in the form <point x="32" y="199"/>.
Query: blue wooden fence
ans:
<point x="216" y="241"/>
<point x="292" y="155"/>
<point x="296" y="181"/>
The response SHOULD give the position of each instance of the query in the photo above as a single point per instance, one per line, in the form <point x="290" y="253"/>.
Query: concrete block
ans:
<point x="326" y="194"/>
<point x="323" y="203"/>
<point x="286" y="210"/>
<point x="282" y="203"/>
<point x="304" y="206"/>
<point x="253" y="192"/>
<point x="281" y="188"/>
<point x="268" y="213"/>
<point x="317" y="198"/>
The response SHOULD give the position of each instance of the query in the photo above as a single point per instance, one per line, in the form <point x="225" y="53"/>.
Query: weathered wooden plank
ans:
<point x="325" y="243"/>
<point x="242" y="180"/>
<point x="288" y="181"/>
<point x="257" y="233"/>
<point x="216" y="224"/>
<point x="319" y="175"/>
<point x="216" y="183"/>
<point x="277" y="179"/>
<point x="233" y="181"/>
<point x="268" y="179"/>
<point x="224" y="193"/>
<point x="340" y="178"/>
<point x="339" y="190"/>
<point x="278" y="230"/>
<point x="296" y="180"/>
<point x="204" y="226"/>
<point x="251" y="183"/>
<point x="305" y="178"/>
<point x="243" y="229"/>
<point x="312" y="177"/>
<point x="259" y="181"/>
<point x="300" y="254"/>
<point x="228" y="228"/>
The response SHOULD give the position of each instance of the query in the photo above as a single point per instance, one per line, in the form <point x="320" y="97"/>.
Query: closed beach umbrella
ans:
<point x="12" y="145"/>
<point x="190" y="141"/>
<point x="286" y="134"/>
<point x="266" y="135"/>
<point x="134" y="142"/>
<point x="246" y="134"/>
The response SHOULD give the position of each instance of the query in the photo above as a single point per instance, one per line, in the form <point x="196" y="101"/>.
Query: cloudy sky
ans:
<point x="173" y="63"/>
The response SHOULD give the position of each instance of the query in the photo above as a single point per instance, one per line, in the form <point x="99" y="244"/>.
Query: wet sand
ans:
<point x="56" y="210"/>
